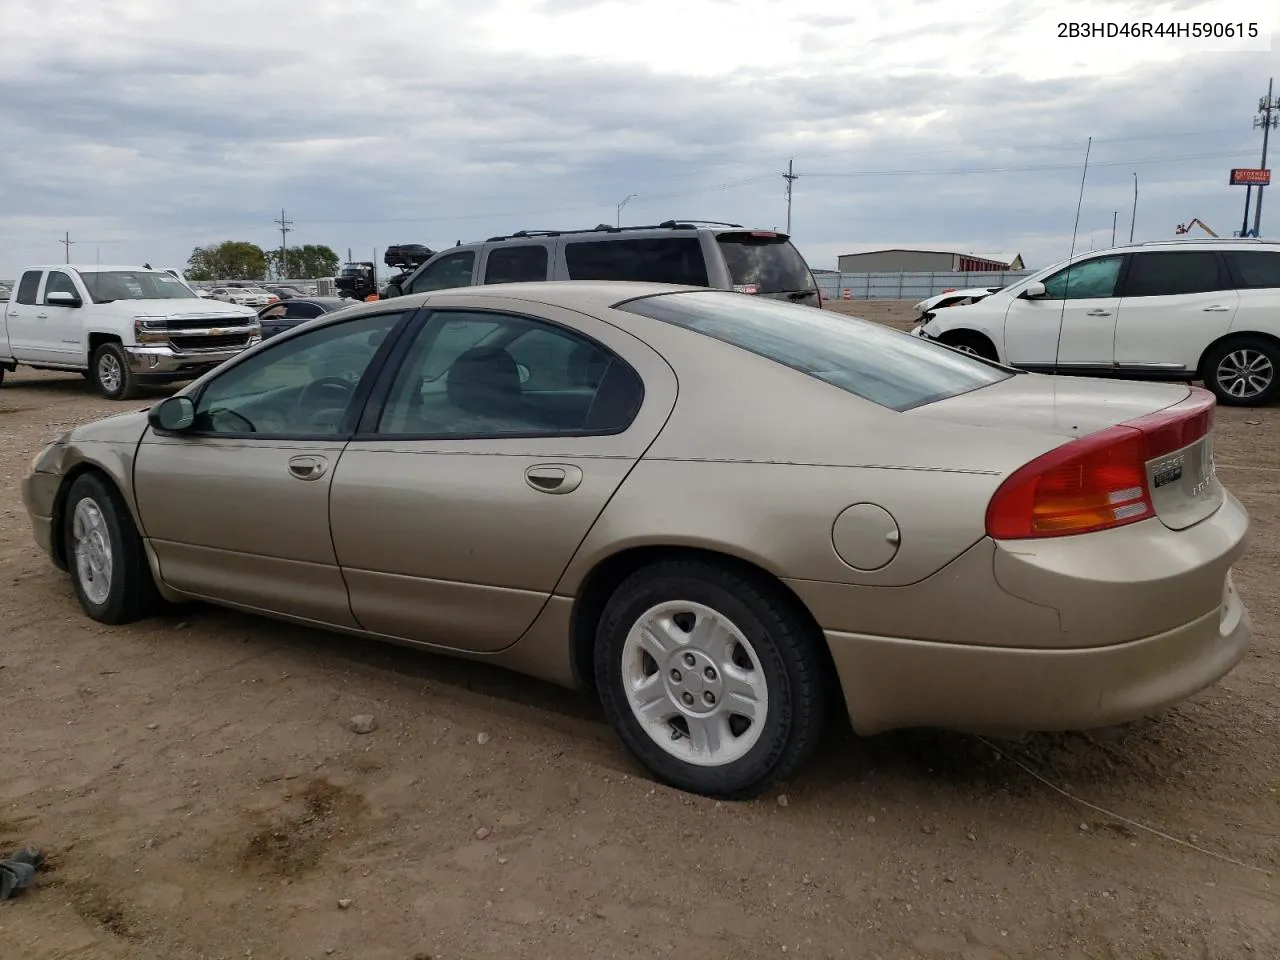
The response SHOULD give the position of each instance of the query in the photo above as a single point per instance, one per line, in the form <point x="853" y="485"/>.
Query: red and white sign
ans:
<point x="1250" y="176"/>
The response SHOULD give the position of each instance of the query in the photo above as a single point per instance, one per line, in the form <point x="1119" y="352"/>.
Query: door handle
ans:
<point x="1216" y="308"/>
<point x="1098" y="313"/>
<point x="553" y="477"/>
<point x="308" y="468"/>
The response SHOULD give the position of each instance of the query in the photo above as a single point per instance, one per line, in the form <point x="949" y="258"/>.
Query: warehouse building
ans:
<point x="926" y="260"/>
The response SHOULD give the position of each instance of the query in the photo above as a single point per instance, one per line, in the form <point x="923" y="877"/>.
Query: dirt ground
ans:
<point x="201" y="795"/>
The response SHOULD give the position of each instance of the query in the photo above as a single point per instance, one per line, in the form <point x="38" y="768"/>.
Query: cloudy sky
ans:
<point x="147" y="127"/>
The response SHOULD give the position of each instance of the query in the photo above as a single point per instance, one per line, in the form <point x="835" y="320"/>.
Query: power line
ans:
<point x="1026" y="168"/>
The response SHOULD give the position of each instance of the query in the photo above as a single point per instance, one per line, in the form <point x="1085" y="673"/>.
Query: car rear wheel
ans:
<point x="1243" y="372"/>
<point x="110" y="374"/>
<point x="710" y="677"/>
<point x="104" y="552"/>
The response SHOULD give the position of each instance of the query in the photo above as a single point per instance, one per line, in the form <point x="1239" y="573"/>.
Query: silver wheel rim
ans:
<point x="93" y="551"/>
<point x="695" y="683"/>
<point x="109" y="373"/>
<point x="1245" y="373"/>
<point x="965" y="348"/>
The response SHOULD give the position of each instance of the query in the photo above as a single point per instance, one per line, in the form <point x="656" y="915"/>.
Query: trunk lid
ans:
<point x="1181" y="477"/>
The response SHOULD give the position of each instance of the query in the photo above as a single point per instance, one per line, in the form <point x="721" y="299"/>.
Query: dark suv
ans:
<point x="725" y="256"/>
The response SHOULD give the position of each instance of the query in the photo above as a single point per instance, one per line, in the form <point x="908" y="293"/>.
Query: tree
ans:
<point x="232" y="260"/>
<point x="306" y="262"/>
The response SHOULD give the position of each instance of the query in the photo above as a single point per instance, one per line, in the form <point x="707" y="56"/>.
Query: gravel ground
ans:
<point x="201" y="794"/>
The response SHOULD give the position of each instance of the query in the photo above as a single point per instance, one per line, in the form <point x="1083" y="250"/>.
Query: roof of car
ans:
<point x="574" y="294"/>
<point x="91" y="267"/>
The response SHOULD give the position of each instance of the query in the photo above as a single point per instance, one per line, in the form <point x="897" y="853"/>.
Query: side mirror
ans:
<point x="63" y="300"/>
<point x="1034" y="291"/>
<point x="172" y="415"/>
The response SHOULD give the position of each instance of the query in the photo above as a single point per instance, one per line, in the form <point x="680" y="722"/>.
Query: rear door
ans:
<point x="1257" y="280"/>
<point x="766" y="263"/>
<point x="27" y="333"/>
<point x="1174" y="304"/>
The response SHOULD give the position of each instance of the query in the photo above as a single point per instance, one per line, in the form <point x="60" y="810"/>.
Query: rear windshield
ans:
<point x="877" y="363"/>
<point x="766" y="261"/>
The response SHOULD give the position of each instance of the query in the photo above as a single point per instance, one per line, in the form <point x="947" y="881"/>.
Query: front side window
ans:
<point x="107" y="286"/>
<point x="451" y="270"/>
<point x="516" y="264"/>
<point x="303" y="387"/>
<point x="1255" y="269"/>
<point x="870" y="361"/>
<point x="59" y="282"/>
<point x="28" y="287"/>
<point x="490" y="375"/>
<point x="1174" y="274"/>
<point x="1087" y="280"/>
<point x="676" y="260"/>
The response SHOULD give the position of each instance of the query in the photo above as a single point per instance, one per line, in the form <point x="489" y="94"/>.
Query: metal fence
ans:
<point x="908" y="286"/>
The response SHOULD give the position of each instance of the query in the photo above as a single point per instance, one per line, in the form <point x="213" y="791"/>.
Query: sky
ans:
<point x="145" y="128"/>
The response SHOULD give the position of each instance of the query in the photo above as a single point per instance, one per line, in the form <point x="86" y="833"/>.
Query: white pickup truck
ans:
<point x="121" y="327"/>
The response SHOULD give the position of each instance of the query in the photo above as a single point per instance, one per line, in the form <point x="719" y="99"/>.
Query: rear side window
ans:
<point x="1174" y="274"/>
<point x="870" y="361"/>
<point x="764" y="262"/>
<point x="518" y="264"/>
<point x="27" y="287"/>
<point x="1255" y="269"/>
<point x="656" y="260"/>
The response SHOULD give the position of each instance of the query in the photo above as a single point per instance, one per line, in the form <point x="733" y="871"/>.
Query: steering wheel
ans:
<point x="323" y="385"/>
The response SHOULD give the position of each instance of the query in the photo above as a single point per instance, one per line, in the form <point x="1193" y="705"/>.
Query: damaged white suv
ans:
<point x="1166" y="310"/>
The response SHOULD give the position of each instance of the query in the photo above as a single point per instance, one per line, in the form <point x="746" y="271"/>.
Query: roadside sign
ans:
<point x="1250" y="177"/>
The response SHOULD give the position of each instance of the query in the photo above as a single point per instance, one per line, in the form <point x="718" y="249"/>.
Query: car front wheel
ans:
<point x="710" y="677"/>
<point x="105" y="555"/>
<point x="109" y="371"/>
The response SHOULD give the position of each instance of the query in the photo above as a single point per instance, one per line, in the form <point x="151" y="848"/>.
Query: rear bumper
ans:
<point x="893" y="683"/>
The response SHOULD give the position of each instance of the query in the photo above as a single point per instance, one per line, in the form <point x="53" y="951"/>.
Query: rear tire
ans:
<point x="968" y="342"/>
<point x="105" y="555"/>
<point x="109" y="372"/>
<point x="710" y="677"/>
<point x="1243" y="371"/>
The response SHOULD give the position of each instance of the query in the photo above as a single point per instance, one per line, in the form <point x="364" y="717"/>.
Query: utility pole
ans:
<point x="285" y="227"/>
<point x="66" y="242"/>
<point x="622" y="203"/>
<point x="1268" y="117"/>
<point x="790" y="176"/>
<point x="1133" y="221"/>
<point x="1114" y="214"/>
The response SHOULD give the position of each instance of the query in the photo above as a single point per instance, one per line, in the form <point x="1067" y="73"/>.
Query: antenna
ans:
<point x="790" y="176"/>
<point x="285" y="227"/>
<point x="66" y="242"/>
<point x="1134" y="220"/>
<point x="1062" y="315"/>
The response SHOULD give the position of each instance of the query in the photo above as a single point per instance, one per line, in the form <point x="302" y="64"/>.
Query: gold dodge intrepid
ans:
<point x="727" y="515"/>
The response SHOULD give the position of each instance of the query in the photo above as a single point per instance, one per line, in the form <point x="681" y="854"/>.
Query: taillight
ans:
<point x="1098" y="481"/>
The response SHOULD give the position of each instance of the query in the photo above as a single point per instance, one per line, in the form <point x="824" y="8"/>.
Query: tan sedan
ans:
<point x="725" y="514"/>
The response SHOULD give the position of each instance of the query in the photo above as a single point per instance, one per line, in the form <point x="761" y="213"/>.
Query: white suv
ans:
<point x="1166" y="310"/>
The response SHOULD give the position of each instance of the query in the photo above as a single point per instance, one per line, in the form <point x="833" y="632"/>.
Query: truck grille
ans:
<point x="211" y="341"/>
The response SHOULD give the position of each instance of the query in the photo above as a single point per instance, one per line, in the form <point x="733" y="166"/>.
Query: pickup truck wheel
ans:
<point x="109" y="372"/>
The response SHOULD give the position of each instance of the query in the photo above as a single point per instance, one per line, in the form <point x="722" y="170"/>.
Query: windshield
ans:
<point x="877" y="363"/>
<point x="766" y="261"/>
<point x="105" y="286"/>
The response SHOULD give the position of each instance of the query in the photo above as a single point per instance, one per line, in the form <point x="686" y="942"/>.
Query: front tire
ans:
<point x="110" y="374"/>
<point x="971" y="343"/>
<point x="105" y="555"/>
<point x="711" y="678"/>
<point x="1243" y="372"/>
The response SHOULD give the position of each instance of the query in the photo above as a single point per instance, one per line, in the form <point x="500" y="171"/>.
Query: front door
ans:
<point x="237" y="507"/>
<point x="461" y="502"/>
<point x="62" y="327"/>
<point x="1073" y="326"/>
